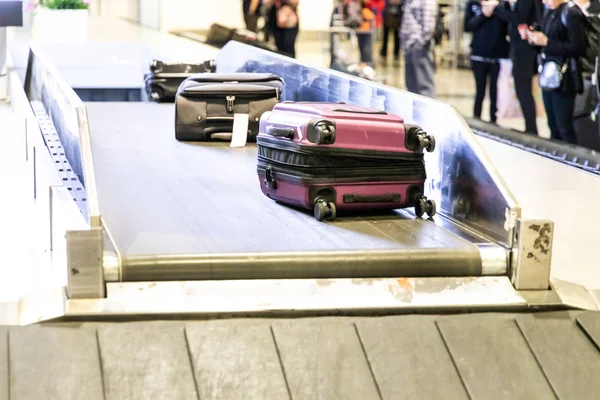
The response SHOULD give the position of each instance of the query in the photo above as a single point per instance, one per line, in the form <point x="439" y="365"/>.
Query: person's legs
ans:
<point x="289" y="41"/>
<point x="277" y="34"/>
<point x="384" y="43"/>
<point x="524" y="61"/>
<point x="419" y="72"/>
<point x="563" y="115"/>
<point x="365" y="45"/>
<point x="251" y="22"/>
<point x="410" y="72"/>
<point x="426" y="70"/>
<point x="396" y="34"/>
<point x="549" y="107"/>
<point x="494" y="73"/>
<point x="480" y="72"/>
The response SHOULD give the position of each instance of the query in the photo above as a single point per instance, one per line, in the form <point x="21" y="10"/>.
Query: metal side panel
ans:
<point x="569" y="360"/>
<point x="146" y="361"/>
<point x="200" y="207"/>
<point x="235" y="357"/>
<point x="54" y="363"/>
<point x="403" y="352"/>
<point x="493" y="358"/>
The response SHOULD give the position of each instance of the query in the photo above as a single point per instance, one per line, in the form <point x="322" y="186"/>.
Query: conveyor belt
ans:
<point x="474" y="356"/>
<point x="161" y="198"/>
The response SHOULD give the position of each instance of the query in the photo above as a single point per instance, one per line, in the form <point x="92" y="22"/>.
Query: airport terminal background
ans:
<point x="490" y="335"/>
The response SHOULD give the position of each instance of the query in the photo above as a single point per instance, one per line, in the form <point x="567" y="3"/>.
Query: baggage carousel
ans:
<point x="148" y="228"/>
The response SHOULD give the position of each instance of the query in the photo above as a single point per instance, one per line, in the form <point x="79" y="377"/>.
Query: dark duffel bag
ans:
<point x="164" y="78"/>
<point x="219" y="35"/>
<point x="206" y="103"/>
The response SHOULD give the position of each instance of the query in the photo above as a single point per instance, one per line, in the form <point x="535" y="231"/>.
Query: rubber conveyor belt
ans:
<point x="474" y="356"/>
<point x="195" y="211"/>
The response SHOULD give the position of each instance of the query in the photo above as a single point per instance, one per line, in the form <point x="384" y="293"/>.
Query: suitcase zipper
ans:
<point x="327" y="175"/>
<point x="288" y="145"/>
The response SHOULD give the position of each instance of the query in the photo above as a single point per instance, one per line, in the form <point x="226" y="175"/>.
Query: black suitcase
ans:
<point x="205" y="103"/>
<point x="587" y="132"/>
<point x="164" y="78"/>
<point x="586" y="114"/>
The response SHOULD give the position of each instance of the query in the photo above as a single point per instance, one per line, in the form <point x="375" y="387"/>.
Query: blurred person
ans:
<point x="365" y="32"/>
<point x="561" y="40"/>
<point x="488" y="46"/>
<point x="416" y="35"/>
<point x="392" y="20"/>
<point x="359" y="16"/>
<point x="586" y="111"/>
<point x="251" y="9"/>
<point x="377" y="6"/>
<point x="520" y="15"/>
<point x="589" y="7"/>
<point x="283" y="24"/>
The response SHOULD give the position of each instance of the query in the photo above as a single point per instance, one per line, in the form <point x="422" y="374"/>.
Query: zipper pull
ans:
<point x="277" y="93"/>
<point x="230" y="100"/>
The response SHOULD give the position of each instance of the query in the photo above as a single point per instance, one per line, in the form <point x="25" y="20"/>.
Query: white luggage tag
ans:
<point x="240" y="130"/>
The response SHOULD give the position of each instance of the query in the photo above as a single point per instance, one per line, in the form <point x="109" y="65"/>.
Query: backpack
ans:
<point x="592" y="31"/>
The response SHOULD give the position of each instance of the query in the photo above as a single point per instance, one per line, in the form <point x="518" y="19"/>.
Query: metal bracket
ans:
<point x="85" y="250"/>
<point x="532" y="254"/>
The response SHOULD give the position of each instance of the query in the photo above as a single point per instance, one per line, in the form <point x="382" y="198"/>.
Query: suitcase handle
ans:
<point x="360" y="112"/>
<point x="384" y="198"/>
<point x="281" y="132"/>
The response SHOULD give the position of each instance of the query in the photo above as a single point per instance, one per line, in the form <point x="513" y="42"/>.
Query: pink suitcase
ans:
<point x="332" y="156"/>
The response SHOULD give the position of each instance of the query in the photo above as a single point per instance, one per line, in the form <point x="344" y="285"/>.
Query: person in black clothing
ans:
<point x="561" y="44"/>
<point x="251" y="9"/>
<point x="488" y="45"/>
<point x="285" y="37"/>
<point x="521" y="14"/>
<point x="392" y="20"/>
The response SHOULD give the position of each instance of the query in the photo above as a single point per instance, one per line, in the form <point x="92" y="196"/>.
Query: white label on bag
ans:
<point x="240" y="130"/>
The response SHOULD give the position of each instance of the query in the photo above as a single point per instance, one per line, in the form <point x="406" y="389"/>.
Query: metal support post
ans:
<point x="85" y="250"/>
<point x="532" y="254"/>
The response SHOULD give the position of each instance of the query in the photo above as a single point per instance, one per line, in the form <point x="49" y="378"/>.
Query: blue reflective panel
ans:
<point x="461" y="177"/>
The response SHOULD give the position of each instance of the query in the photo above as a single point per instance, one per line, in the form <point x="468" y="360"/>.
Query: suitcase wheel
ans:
<point x="324" y="210"/>
<point x="431" y="144"/>
<point x="156" y="94"/>
<point x="425" y="142"/>
<point x="424" y="206"/>
<point x="418" y="140"/>
<point x="324" y="133"/>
